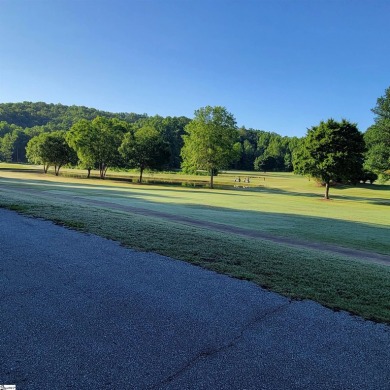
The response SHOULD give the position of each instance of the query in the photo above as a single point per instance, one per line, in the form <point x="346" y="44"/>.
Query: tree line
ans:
<point x="330" y="152"/>
<point x="19" y="122"/>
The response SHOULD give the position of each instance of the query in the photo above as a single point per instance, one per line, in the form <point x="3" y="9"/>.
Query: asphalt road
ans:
<point x="81" y="312"/>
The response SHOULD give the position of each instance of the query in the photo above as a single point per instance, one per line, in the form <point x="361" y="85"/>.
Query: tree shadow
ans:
<point x="358" y="235"/>
<point x="225" y="190"/>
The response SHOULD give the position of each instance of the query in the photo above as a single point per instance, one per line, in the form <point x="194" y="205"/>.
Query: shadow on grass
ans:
<point x="364" y="236"/>
<point x="201" y="186"/>
<point x="226" y="190"/>
<point x="21" y="170"/>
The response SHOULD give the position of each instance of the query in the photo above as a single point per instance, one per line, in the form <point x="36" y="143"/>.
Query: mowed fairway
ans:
<point x="277" y="204"/>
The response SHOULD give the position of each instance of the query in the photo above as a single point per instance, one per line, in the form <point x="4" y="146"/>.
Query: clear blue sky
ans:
<point x="277" y="65"/>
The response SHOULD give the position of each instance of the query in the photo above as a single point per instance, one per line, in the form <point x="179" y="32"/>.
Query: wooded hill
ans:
<point x="55" y="116"/>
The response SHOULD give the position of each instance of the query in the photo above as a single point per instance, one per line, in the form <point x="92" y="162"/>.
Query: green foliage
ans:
<point x="331" y="151"/>
<point x="145" y="148"/>
<point x="377" y="138"/>
<point x="57" y="152"/>
<point x="382" y="108"/>
<point x="274" y="152"/>
<point x="56" y="116"/>
<point x="13" y="141"/>
<point x="6" y="147"/>
<point x="6" y="128"/>
<point x="172" y="131"/>
<point x="35" y="118"/>
<point x="20" y="140"/>
<point x="269" y="163"/>
<point x="51" y="149"/>
<point x="96" y="142"/>
<point x="34" y="151"/>
<point x="247" y="139"/>
<point x="209" y="141"/>
<point x="265" y="151"/>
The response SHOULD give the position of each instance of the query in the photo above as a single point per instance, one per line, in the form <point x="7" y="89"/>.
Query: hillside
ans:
<point x="56" y="116"/>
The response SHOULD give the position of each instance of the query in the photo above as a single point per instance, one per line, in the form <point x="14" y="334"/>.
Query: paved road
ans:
<point x="81" y="312"/>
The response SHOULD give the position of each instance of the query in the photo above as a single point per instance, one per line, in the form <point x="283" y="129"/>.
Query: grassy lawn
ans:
<point x="281" y="204"/>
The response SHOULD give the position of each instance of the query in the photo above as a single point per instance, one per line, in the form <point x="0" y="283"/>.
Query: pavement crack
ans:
<point x="206" y="353"/>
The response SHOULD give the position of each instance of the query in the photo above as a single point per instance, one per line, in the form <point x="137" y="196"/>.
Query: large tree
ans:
<point x="51" y="149"/>
<point x="35" y="153"/>
<point x="209" y="142"/>
<point x="171" y="130"/>
<point x="145" y="148"/>
<point x="331" y="151"/>
<point x="377" y="139"/>
<point x="96" y="142"/>
<point x="57" y="151"/>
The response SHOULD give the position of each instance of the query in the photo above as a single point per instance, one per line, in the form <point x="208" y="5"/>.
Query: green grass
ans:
<point x="283" y="204"/>
<point x="288" y="204"/>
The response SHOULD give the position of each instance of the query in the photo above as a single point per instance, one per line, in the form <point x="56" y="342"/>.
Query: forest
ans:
<point x="20" y="122"/>
<point x="59" y="135"/>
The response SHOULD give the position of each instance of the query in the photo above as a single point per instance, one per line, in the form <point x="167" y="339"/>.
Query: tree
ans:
<point x="268" y="163"/>
<point x="172" y="130"/>
<point x="96" y="142"/>
<point x="7" y="147"/>
<point x="377" y="139"/>
<point x="57" y="152"/>
<point x="382" y="108"/>
<point x="274" y="152"/>
<point x="34" y="152"/>
<point x="145" y="148"/>
<point x="50" y="149"/>
<point x="248" y="146"/>
<point x="209" y="142"/>
<point x="21" y="139"/>
<point x="331" y="151"/>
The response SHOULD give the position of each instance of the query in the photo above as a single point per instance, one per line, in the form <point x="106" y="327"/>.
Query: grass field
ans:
<point x="276" y="203"/>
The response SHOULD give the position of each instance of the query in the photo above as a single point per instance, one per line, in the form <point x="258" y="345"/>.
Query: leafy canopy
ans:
<point x="96" y="142"/>
<point x="145" y="148"/>
<point x="331" y="151"/>
<point x="377" y="139"/>
<point x="209" y="142"/>
<point x="50" y="149"/>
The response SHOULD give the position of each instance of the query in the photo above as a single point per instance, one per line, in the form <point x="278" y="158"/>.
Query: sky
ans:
<point x="276" y="65"/>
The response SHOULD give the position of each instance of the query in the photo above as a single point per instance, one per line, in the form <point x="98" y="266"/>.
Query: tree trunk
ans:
<point x="212" y="179"/>
<point x="141" y="171"/>
<point x="89" y="173"/>
<point x="101" y="170"/>
<point x="45" y="168"/>
<point x="327" y="190"/>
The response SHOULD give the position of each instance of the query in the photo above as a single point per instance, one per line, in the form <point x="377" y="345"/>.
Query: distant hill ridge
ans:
<point x="58" y="116"/>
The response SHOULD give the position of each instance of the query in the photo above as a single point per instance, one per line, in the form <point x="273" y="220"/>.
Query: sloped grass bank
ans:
<point x="334" y="281"/>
